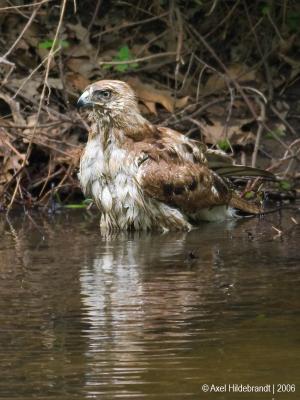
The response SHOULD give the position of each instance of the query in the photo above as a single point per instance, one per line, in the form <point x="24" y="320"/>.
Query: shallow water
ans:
<point x="153" y="316"/>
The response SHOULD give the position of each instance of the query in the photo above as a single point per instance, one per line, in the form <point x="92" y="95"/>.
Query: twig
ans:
<point x="46" y="180"/>
<point x="35" y="224"/>
<point x="199" y="81"/>
<point x="228" y="116"/>
<point x="3" y="59"/>
<point x="28" y="152"/>
<point x="131" y="24"/>
<point x="279" y="232"/>
<point x="283" y="120"/>
<point x="27" y="25"/>
<point x="260" y="121"/>
<point x="15" y="126"/>
<point x="25" y="5"/>
<point x="13" y="149"/>
<point x="187" y="72"/>
<point x="223" y="20"/>
<point x="136" y="60"/>
<point x="146" y="45"/>
<point x="274" y="26"/>
<point x="225" y="69"/>
<point x="20" y="12"/>
<point x="259" y="93"/>
<point x="34" y="71"/>
<point x="95" y="14"/>
<point x="179" y="48"/>
<point x="258" y="45"/>
<point x="235" y="83"/>
<point x="214" y="5"/>
<point x="136" y="7"/>
<point x="291" y="162"/>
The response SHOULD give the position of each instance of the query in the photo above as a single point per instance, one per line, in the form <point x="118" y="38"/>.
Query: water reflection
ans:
<point x="145" y="315"/>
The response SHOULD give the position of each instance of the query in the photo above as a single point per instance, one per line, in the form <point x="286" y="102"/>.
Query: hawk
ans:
<point x="142" y="176"/>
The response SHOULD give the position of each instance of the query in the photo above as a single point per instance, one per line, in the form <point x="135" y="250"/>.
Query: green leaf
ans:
<point x="64" y="44"/>
<point x="107" y="66"/>
<point x="58" y="199"/>
<point x="224" y="144"/>
<point x="84" y="204"/>
<point x="124" y="54"/>
<point x="87" y="201"/>
<point x="265" y="10"/>
<point x="249" y="195"/>
<point x="293" y="21"/>
<point x="276" y="133"/>
<point x="261" y="316"/>
<point x="121" y="67"/>
<point x="47" y="44"/>
<point x="75" y="206"/>
<point x="285" y="185"/>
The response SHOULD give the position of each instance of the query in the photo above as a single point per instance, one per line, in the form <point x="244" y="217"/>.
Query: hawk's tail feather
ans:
<point x="227" y="171"/>
<point x="244" y="205"/>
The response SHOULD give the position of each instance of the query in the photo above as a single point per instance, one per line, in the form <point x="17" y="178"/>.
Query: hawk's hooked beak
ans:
<point x="84" y="100"/>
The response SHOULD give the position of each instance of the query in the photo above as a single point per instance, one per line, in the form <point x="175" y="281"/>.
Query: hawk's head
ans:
<point x="110" y="101"/>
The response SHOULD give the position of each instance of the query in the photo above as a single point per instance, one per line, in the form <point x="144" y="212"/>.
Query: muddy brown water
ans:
<point x="138" y="316"/>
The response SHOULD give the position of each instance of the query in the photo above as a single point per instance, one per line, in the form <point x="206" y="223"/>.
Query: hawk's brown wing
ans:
<point x="185" y="185"/>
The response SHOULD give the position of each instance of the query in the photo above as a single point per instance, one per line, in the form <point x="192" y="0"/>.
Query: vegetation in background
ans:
<point x="124" y="54"/>
<point x="223" y="72"/>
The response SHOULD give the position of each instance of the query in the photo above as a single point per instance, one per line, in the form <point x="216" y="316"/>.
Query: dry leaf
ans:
<point x="82" y="66"/>
<point x="76" y="82"/>
<point x="32" y="35"/>
<point x="181" y="103"/>
<point x="81" y="33"/>
<point x="285" y="45"/>
<point x="151" y="96"/>
<point x="11" y="159"/>
<point x="150" y="105"/>
<point x="294" y="64"/>
<point x="30" y="89"/>
<point x="239" y="72"/>
<point x="217" y="132"/>
<point x="55" y="83"/>
<point x="32" y="120"/>
<point x="15" y="109"/>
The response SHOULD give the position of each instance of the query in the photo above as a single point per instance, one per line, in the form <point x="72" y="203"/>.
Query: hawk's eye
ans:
<point x="103" y="94"/>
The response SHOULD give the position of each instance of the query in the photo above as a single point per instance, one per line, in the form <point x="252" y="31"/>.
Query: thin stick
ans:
<point x="260" y="121"/>
<point x="34" y="71"/>
<point x="28" y="152"/>
<point x="27" y="25"/>
<point x="187" y="72"/>
<point x="130" y="24"/>
<point x="179" y="47"/>
<point x="167" y="53"/>
<point x="14" y="126"/>
<point x="25" y="5"/>
<point x="258" y="45"/>
<point x="283" y="120"/>
<point x="13" y="148"/>
<point x="235" y="83"/>
<point x="223" y="20"/>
